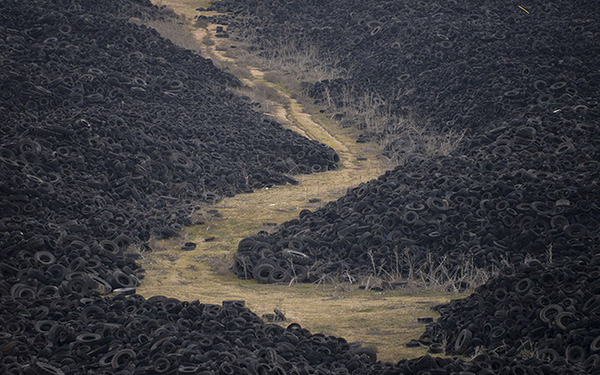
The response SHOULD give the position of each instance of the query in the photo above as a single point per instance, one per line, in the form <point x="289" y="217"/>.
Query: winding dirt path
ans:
<point x="383" y="320"/>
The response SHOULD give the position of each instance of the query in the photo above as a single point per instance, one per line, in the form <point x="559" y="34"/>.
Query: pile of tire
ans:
<point x="453" y="66"/>
<point x="481" y="365"/>
<point x="159" y="335"/>
<point x="526" y="174"/>
<point x="449" y="211"/>
<point x="523" y="184"/>
<point x="551" y="312"/>
<point x="111" y="134"/>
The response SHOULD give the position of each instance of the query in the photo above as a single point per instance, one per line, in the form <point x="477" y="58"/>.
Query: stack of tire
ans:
<point x="449" y="212"/>
<point x="526" y="174"/>
<point x="551" y="312"/>
<point x="112" y="134"/>
<point x="452" y="66"/>
<point x="521" y="81"/>
<point x="159" y="335"/>
<point x="132" y="335"/>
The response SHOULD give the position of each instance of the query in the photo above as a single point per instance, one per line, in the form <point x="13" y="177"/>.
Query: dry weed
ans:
<point x="293" y="62"/>
<point x="220" y="264"/>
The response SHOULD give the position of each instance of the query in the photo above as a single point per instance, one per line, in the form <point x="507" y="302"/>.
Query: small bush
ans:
<point x="220" y="264"/>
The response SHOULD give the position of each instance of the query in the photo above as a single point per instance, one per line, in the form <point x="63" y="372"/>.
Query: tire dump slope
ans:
<point x="110" y="134"/>
<point x="521" y="191"/>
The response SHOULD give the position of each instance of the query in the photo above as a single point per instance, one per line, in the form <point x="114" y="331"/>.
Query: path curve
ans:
<point x="203" y="273"/>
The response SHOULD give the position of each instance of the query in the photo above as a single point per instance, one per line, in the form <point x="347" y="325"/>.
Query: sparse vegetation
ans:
<point x="292" y="64"/>
<point x="315" y="306"/>
<point x="220" y="264"/>
<point x="172" y="29"/>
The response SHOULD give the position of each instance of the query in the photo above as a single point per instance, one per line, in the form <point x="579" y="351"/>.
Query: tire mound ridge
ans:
<point x="112" y="134"/>
<point x="160" y="335"/>
<point x="453" y="66"/>
<point x="448" y="211"/>
<point x="551" y="312"/>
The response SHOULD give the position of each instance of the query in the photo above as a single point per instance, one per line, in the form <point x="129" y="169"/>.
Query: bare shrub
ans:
<point x="431" y="273"/>
<point x="293" y="62"/>
<point x="266" y="95"/>
<point x="220" y="264"/>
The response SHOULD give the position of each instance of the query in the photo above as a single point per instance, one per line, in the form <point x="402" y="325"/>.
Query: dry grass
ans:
<point x="382" y="319"/>
<point x="220" y="264"/>
<point x="398" y="137"/>
<point x="269" y="97"/>
<point x="289" y="64"/>
<point x="173" y="30"/>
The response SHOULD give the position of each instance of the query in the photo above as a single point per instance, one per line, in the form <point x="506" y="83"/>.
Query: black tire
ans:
<point x="435" y="348"/>
<point x="563" y="320"/>
<point x="365" y="352"/>
<point x="122" y="359"/>
<point x="188" y="246"/>
<point x="121" y="280"/>
<point x="463" y="341"/>
<point x="575" y="354"/>
<point x="549" y="313"/>
<point x="595" y="345"/>
<point x="44" y="258"/>
<point x="262" y="272"/>
<point x="280" y="275"/>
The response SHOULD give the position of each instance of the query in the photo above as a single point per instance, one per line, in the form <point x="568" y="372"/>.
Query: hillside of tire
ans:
<point x="112" y="136"/>
<point x="523" y="183"/>
<point x="519" y="195"/>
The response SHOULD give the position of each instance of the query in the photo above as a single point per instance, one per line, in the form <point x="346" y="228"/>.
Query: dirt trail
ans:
<point x="383" y="320"/>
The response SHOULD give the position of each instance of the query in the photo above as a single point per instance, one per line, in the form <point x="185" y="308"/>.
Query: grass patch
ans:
<point x="388" y="318"/>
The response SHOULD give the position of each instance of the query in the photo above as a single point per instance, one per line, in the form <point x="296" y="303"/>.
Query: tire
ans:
<point x="365" y="352"/>
<point x="279" y="275"/>
<point x="575" y="354"/>
<point x="122" y="359"/>
<point x="262" y="272"/>
<point x="549" y="313"/>
<point x="595" y="345"/>
<point x="188" y="246"/>
<point x="121" y="280"/>
<point x="463" y="341"/>
<point x="44" y="258"/>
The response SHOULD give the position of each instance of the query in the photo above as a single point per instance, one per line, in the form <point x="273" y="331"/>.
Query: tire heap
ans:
<point x="132" y="335"/>
<point x="458" y="65"/>
<point x="111" y="134"/>
<point x="551" y="312"/>
<point x="526" y="176"/>
<point x="522" y="81"/>
<point x="446" y="211"/>
<point x="159" y="335"/>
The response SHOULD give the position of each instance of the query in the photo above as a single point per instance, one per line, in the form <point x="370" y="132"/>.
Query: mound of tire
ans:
<point x="111" y="134"/>
<point x="547" y="311"/>
<point x="457" y="65"/>
<point x="159" y="335"/>
<point x="446" y="212"/>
